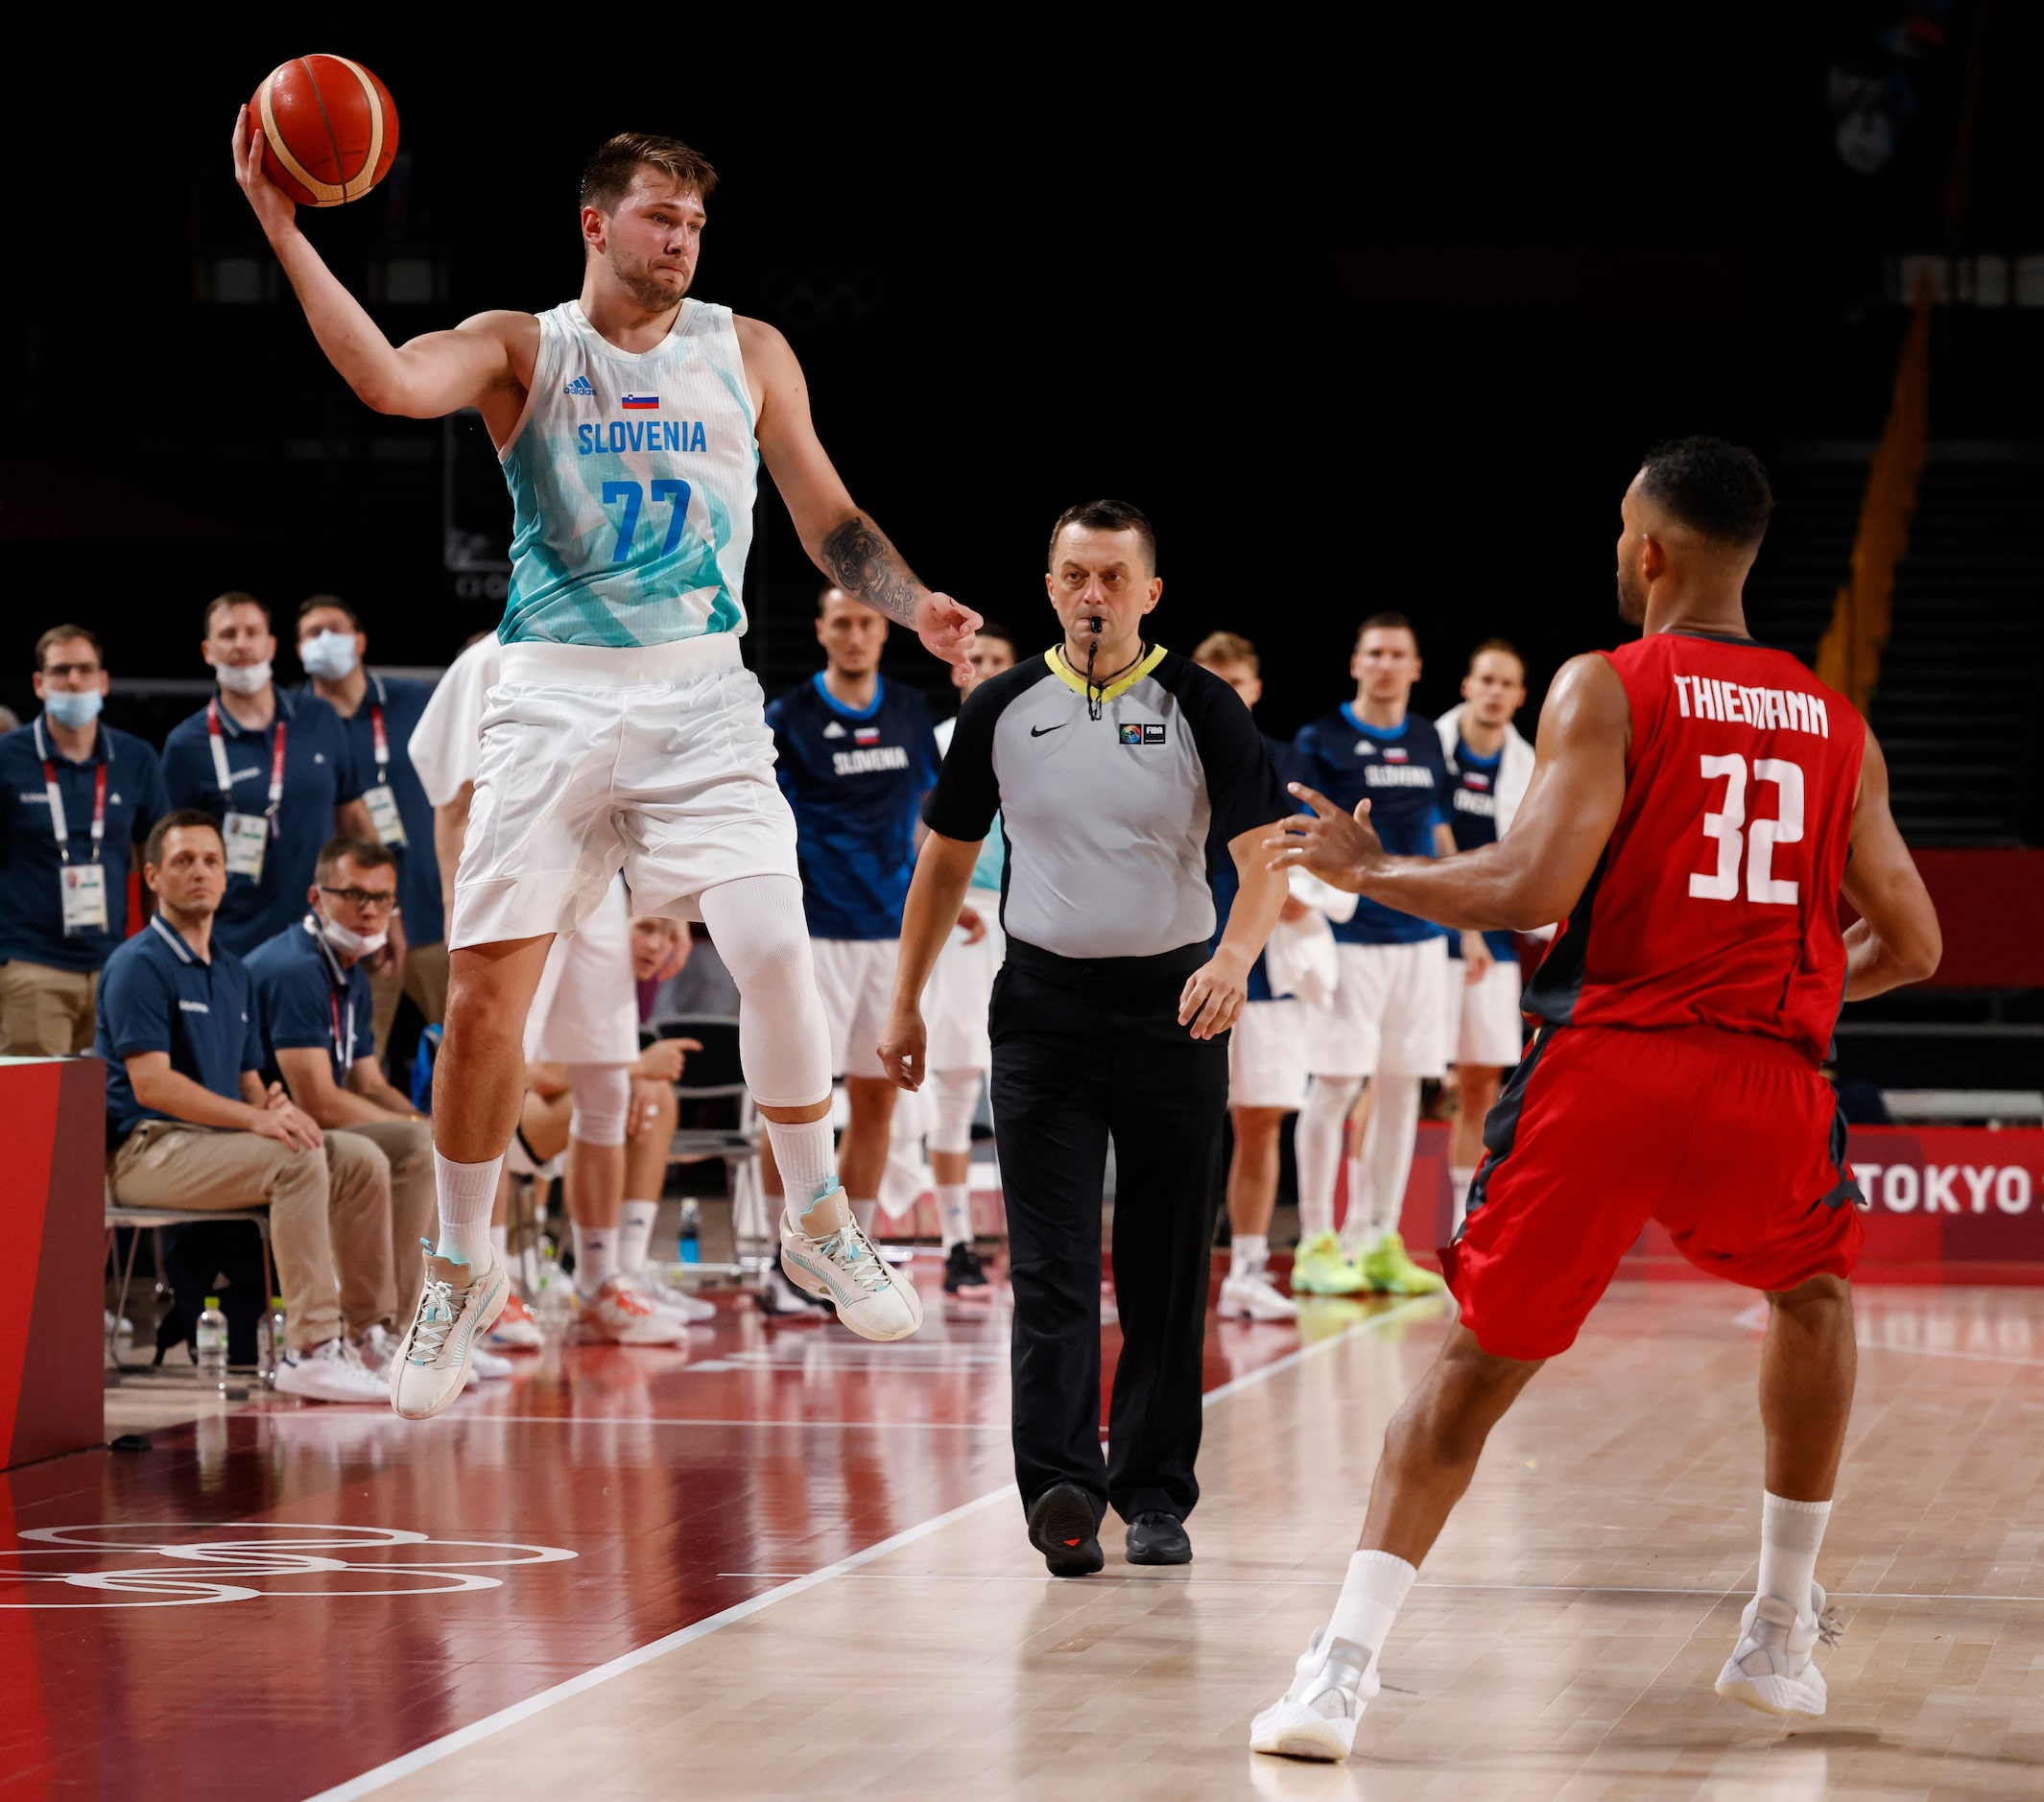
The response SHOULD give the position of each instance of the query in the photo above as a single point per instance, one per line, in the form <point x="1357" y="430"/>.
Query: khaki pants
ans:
<point x="425" y="978"/>
<point x="407" y="1147"/>
<point x="47" y="1012"/>
<point x="329" y="1211"/>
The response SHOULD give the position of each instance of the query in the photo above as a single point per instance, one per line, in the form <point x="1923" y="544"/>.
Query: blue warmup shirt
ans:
<point x="418" y="871"/>
<point x="306" y="1000"/>
<point x="855" y="779"/>
<point x="1401" y="771"/>
<point x="1473" y="819"/>
<point x="320" y="775"/>
<point x="32" y="917"/>
<point x="1227" y="881"/>
<point x="157" y="995"/>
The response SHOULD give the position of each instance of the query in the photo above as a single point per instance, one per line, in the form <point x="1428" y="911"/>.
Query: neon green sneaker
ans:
<point x="1318" y="1268"/>
<point x="1385" y="1268"/>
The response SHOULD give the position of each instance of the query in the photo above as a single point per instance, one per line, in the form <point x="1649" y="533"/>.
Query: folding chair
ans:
<point x="713" y="1073"/>
<point x="154" y="1221"/>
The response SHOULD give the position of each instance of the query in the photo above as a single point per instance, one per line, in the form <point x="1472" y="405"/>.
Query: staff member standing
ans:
<point x="380" y="713"/>
<point x="76" y="798"/>
<point x="1115" y="765"/>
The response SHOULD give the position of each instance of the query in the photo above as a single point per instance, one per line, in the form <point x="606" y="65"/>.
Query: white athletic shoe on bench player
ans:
<point x="459" y="1305"/>
<point x="825" y="1253"/>
<point x="618" y="1312"/>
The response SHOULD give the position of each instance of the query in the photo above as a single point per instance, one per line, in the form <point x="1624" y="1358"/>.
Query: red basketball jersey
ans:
<point x="1716" y="902"/>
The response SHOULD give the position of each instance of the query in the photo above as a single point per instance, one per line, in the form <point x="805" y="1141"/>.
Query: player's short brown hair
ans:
<point x="1504" y="645"/>
<point x="179" y="817"/>
<point x="1226" y="647"/>
<point x="313" y="601"/>
<point x="237" y="598"/>
<point x="1388" y="623"/>
<point x="1108" y="516"/>
<point x="607" y="176"/>
<point x="64" y="635"/>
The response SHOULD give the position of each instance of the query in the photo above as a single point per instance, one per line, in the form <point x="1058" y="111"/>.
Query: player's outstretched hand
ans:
<point x="947" y="630"/>
<point x="1337" y="848"/>
<point x="902" y="1048"/>
<point x="273" y="206"/>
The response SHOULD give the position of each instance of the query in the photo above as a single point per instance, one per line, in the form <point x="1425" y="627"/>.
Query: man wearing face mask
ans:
<point x="380" y="713"/>
<point x="276" y="769"/>
<point x="76" y="798"/>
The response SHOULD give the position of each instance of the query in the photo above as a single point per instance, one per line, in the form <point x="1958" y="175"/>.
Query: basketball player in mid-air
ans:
<point x="625" y="733"/>
<point x="1698" y="805"/>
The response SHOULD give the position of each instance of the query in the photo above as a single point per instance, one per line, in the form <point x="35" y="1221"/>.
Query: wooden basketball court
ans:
<point x="788" y="1563"/>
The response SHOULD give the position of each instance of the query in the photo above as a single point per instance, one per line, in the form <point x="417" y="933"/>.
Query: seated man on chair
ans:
<point x="318" y="1040"/>
<point x="191" y="1124"/>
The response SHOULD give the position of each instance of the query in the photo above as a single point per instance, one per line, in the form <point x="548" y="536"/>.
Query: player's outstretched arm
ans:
<point x="943" y="871"/>
<point x="847" y="545"/>
<point x="476" y="365"/>
<point x="1896" y="938"/>
<point x="1537" y="871"/>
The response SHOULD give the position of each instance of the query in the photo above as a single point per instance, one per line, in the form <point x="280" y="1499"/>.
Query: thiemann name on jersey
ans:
<point x="639" y="434"/>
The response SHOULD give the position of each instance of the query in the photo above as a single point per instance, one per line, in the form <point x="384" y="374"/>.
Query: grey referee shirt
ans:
<point x="1110" y="822"/>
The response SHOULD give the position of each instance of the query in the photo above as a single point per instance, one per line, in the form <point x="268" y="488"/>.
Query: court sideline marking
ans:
<point x="447" y="1744"/>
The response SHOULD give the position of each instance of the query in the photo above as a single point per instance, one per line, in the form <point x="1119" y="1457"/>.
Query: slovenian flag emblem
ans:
<point x="1394" y="754"/>
<point x="640" y="403"/>
<point x="865" y="735"/>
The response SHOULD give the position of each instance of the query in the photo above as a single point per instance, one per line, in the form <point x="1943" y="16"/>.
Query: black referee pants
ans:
<point x="1083" y="1052"/>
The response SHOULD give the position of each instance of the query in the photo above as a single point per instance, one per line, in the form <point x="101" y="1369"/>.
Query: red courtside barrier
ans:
<point x="53" y="1192"/>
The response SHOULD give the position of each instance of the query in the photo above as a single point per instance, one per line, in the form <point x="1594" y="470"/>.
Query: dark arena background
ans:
<point x="1370" y="312"/>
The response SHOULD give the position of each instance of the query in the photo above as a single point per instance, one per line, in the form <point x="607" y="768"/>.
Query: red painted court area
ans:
<point x="270" y="1602"/>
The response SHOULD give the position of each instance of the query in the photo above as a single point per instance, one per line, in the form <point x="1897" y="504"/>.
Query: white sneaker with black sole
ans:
<point x="780" y="1300"/>
<point x="824" y="1252"/>
<point x="459" y="1304"/>
<point x="1333" y="1683"/>
<point x="1253" y="1296"/>
<point x="1774" y="1666"/>
<point x="332" y="1372"/>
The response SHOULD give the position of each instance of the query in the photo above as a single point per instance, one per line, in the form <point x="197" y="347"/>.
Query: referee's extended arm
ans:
<point x="943" y="871"/>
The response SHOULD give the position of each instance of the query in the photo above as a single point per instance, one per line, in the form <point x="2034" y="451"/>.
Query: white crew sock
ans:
<point x="468" y="1197"/>
<point x="807" y="1159"/>
<point x="954" y="1213"/>
<point x="634" y="1235"/>
<point x="1460" y="1178"/>
<point x="500" y="1243"/>
<point x="1386" y="1164"/>
<point x="865" y="1213"/>
<point x="1248" y="1254"/>
<point x="595" y="1257"/>
<point x="1317" y="1140"/>
<point x="1372" y="1593"/>
<point x="1791" y="1534"/>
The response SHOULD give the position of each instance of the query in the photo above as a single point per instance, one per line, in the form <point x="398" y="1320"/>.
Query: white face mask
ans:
<point x="250" y="679"/>
<point x="329" y="656"/>
<point x="350" y="944"/>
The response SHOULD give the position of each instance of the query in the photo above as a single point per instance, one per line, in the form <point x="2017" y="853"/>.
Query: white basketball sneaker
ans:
<point x="824" y="1253"/>
<point x="1334" y="1682"/>
<point x="332" y="1372"/>
<point x="459" y="1304"/>
<point x="1774" y="1666"/>
<point x="689" y="1309"/>
<point x="1253" y="1296"/>
<point x="619" y="1313"/>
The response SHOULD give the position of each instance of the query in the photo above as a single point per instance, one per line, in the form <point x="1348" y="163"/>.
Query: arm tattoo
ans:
<point x="862" y="563"/>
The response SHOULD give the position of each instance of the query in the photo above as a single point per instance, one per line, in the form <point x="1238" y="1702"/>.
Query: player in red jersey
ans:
<point x="1698" y="805"/>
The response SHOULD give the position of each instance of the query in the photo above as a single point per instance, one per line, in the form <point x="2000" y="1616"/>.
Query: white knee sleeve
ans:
<point x="1387" y="1142"/>
<point x="602" y="1096"/>
<point x="1316" y="1142"/>
<point x="759" y="930"/>
<point x="958" y="1099"/>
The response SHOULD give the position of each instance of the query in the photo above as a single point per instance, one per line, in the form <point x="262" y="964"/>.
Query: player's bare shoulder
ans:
<point x="1586" y="701"/>
<point x="771" y="370"/>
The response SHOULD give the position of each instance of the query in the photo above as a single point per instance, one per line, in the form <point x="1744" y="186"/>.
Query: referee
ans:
<point x="1115" y="765"/>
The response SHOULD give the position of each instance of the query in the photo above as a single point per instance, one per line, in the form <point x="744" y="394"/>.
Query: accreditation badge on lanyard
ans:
<point x="382" y="799"/>
<point x="80" y="888"/>
<point x="336" y="987"/>
<point x="247" y="835"/>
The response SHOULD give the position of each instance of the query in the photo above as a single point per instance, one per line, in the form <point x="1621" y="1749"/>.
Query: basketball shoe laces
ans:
<point x="437" y="1311"/>
<point x="849" y="1248"/>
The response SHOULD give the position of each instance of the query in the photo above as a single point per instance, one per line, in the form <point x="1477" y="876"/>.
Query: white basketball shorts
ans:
<point x="655" y="761"/>
<point x="586" y="1010"/>
<point x="1387" y="1015"/>
<point x="1267" y="1056"/>
<point x="961" y="990"/>
<point x="1484" y="1025"/>
<point x="855" y="977"/>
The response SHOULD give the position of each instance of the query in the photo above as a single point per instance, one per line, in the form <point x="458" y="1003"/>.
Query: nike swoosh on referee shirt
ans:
<point x="1037" y="731"/>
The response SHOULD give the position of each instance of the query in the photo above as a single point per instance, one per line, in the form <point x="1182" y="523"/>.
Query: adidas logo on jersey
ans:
<point x="833" y="730"/>
<point x="579" y="388"/>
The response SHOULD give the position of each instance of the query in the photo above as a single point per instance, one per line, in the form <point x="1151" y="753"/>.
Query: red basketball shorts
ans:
<point x="1733" y="1142"/>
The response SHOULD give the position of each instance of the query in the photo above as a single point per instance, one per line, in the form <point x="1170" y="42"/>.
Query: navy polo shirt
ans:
<point x="419" y="870"/>
<point x="320" y="775"/>
<point x="157" y="995"/>
<point x="306" y="1000"/>
<point x="32" y="922"/>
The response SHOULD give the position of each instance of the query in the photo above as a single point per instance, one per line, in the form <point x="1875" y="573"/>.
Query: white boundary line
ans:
<point x="445" y="1746"/>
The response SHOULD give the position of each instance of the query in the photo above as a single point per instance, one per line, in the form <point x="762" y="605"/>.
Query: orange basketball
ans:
<point x="331" y="127"/>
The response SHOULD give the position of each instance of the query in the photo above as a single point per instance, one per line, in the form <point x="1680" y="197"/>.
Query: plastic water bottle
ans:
<point x="690" y="1233"/>
<point x="210" y="1341"/>
<point x="278" y="1342"/>
<point x="556" y="1301"/>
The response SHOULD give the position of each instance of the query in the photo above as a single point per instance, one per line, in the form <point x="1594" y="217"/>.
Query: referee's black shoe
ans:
<point x="1158" y="1539"/>
<point x="1064" y="1527"/>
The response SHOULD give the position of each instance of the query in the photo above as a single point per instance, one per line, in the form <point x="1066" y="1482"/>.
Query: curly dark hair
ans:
<point x="1716" y="488"/>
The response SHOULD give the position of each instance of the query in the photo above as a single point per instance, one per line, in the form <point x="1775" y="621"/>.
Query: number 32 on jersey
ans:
<point x="1758" y="841"/>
